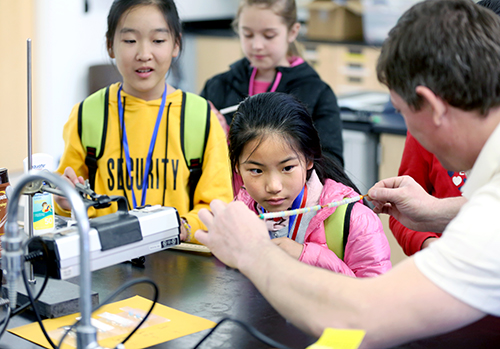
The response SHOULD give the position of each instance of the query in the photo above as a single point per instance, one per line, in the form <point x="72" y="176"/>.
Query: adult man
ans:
<point x="442" y="65"/>
<point x="425" y="168"/>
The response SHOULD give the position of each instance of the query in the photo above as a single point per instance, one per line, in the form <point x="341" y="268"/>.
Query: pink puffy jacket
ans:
<point x="367" y="252"/>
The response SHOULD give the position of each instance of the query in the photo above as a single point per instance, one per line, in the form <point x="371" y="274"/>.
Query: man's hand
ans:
<point x="400" y="197"/>
<point x="291" y="247"/>
<point x="405" y="200"/>
<point x="235" y="234"/>
<point x="72" y="178"/>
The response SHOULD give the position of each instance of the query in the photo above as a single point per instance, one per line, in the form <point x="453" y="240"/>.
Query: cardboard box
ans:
<point x="349" y="68"/>
<point x="335" y="21"/>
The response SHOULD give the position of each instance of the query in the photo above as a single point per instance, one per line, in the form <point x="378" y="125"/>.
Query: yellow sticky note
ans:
<point x="333" y="338"/>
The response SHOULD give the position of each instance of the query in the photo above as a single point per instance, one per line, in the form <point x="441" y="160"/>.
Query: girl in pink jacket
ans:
<point x="276" y="150"/>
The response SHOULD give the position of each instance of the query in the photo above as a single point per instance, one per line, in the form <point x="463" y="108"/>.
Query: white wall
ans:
<point x="195" y="10"/>
<point x="69" y="40"/>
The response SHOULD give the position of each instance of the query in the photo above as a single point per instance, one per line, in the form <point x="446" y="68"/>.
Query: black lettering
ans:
<point x="151" y="179"/>
<point x="119" y="174"/>
<point x="111" y="179"/>
<point x="175" y="167"/>
<point x="165" y="162"/>
<point x="129" y="181"/>
<point x="139" y="176"/>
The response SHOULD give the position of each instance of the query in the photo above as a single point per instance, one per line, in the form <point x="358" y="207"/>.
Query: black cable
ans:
<point x="35" y="309"/>
<point x="112" y="296"/>
<point x="106" y="301"/>
<point x="6" y="302"/>
<point x="156" y="295"/>
<point x="6" y="320"/>
<point x="25" y="306"/>
<point x="251" y="330"/>
<point x="31" y="256"/>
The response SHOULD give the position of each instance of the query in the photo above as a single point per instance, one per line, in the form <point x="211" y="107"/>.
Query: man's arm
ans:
<point x="411" y="241"/>
<point x="405" y="200"/>
<point x="388" y="307"/>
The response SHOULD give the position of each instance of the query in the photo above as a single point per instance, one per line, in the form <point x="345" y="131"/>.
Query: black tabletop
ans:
<point x="198" y="284"/>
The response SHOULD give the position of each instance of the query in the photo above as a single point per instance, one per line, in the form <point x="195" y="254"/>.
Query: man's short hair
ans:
<point x="493" y="5"/>
<point x="452" y="47"/>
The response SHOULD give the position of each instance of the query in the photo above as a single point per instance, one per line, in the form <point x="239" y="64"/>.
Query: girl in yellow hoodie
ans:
<point x="143" y="158"/>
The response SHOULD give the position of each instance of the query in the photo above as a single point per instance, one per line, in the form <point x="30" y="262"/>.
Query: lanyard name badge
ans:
<point x="251" y="84"/>
<point x="299" y="202"/>
<point x="151" y="146"/>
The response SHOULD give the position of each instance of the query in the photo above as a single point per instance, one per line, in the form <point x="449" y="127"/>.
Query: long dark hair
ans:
<point x="282" y="114"/>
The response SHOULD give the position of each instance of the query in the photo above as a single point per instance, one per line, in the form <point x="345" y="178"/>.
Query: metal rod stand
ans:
<point x="31" y="276"/>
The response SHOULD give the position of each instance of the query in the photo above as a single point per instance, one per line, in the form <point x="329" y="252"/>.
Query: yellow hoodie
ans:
<point x="169" y="171"/>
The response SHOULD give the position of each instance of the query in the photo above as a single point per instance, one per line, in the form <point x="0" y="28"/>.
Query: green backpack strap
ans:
<point x="92" y="128"/>
<point x="337" y="227"/>
<point x="195" y="127"/>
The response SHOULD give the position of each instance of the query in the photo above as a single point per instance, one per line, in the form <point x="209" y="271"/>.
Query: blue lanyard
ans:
<point x="295" y="205"/>
<point x="151" y="146"/>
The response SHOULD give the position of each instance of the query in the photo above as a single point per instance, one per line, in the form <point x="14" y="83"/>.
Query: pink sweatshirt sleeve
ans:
<point x="320" y="255"/>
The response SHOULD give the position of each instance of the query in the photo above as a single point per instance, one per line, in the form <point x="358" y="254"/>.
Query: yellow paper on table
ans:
<point x="333" y="338"/>
<point x="116" y="320"/>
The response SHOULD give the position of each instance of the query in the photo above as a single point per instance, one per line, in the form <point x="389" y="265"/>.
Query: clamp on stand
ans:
<point x="13" y="254"/>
